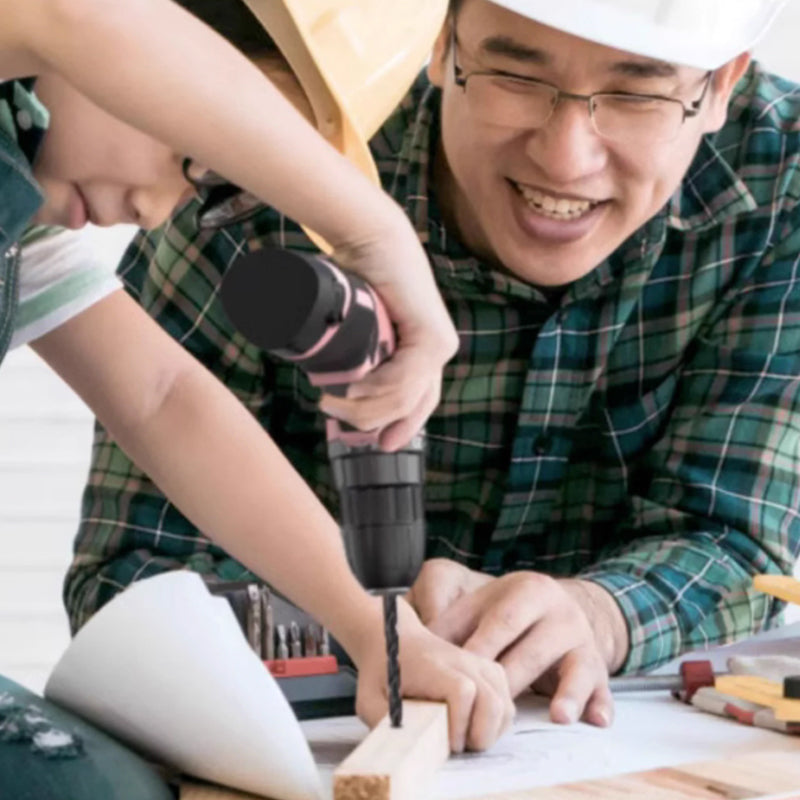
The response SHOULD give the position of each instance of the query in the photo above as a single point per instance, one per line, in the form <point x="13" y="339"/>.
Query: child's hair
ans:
<point x="233" y="20"/>
<point x="454" y="6"/>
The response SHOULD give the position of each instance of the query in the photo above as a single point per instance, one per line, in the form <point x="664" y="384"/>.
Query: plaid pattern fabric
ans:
<point x="23" y="121"/>
<point x="641" y="431"/>
<point x="22" y="117"/>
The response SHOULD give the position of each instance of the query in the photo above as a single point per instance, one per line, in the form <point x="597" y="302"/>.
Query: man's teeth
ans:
<point x="557" y="208"/>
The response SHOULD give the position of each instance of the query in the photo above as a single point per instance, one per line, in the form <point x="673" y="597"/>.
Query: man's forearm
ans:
<point x="606" y="619"/>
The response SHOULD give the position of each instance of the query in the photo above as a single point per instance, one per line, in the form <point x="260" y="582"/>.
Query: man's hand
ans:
<point x="561" y="637"/>
<point x="480" y="707"/>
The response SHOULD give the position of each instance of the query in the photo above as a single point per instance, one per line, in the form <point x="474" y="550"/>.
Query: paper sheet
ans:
<point x="649" y="731"/>
<point x="164" y="667"/>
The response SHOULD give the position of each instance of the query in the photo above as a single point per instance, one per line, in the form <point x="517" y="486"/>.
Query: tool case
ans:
<point x="318" y="684"/>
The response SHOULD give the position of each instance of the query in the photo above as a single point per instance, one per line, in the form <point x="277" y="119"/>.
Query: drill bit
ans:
<point x="392" y="658"/>
<point x="295" y="644"/>
<point x="310" y="640"/>
<point x="269" y="629"/>
<point x="324" y="642"/>
<point x="283" y="647"/>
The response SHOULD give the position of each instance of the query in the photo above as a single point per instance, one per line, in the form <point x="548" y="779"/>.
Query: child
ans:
<point x="180" y="425"/>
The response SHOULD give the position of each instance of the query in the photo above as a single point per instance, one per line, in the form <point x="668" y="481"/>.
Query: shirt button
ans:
<point x="24" y="120"/>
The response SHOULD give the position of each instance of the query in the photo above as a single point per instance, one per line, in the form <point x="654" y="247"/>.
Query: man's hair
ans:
<point x="454" y="6"/>
<point x="233" y="20"/>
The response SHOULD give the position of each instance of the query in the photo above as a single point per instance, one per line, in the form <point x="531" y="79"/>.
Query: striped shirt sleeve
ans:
<point x="61" y="276"/>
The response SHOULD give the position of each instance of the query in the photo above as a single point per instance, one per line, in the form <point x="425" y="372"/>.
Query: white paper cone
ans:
<point x="164" y="667"/>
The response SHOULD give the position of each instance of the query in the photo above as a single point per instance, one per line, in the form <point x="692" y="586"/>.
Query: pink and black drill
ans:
<point x="331" y="323"/>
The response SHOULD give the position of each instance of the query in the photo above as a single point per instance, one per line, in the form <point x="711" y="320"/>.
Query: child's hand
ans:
<point x="476" y="690"/>
<point x="399" y="396"/>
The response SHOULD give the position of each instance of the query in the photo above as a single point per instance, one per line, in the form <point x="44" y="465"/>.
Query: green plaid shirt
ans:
<point x="641" y="431"/>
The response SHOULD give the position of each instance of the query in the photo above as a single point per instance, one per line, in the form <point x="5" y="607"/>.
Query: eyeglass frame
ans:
<point x="460" y="79"/>
<point x="212" y="214"/>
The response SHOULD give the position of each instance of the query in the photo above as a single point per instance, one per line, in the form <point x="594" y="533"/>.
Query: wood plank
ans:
<point x="395" y="763"/>
<point x="746" y="777"/>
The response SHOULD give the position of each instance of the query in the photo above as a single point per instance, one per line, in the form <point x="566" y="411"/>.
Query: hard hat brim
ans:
<point x="697" y="34"/>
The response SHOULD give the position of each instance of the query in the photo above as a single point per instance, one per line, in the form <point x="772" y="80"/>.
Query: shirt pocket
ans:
<point x="618" y="431"/>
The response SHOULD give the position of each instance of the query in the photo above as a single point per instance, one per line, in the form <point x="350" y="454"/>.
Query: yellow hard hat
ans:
<point x="355" y="60"/>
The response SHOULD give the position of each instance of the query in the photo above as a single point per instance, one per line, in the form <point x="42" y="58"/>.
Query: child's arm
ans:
<point x="154" y="65"/>
<point x="208" y="454"/>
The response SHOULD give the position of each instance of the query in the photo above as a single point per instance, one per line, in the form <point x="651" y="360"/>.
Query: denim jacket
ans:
<point x="22" y="124"/>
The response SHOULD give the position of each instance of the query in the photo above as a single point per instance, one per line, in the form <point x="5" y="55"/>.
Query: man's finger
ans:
<point x="600" y="708"/>
<point x="503" y="621"/>
<point x="458" y="622"/>
<point x="435" y="588"/>
<point x="581" y="676"/>
<point x="533" y="655"/>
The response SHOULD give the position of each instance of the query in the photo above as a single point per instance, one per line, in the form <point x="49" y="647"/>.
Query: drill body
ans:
<point x="331" y="324"/>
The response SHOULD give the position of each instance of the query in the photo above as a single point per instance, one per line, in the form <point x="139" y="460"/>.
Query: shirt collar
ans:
<point x="710" y="193"/>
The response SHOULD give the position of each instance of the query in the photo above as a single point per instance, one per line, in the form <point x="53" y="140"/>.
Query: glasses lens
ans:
<point x="510" y="102"/>
<point x="635" y="119"/>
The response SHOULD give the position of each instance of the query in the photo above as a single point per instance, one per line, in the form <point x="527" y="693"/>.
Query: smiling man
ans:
<point x="608" y="192"/>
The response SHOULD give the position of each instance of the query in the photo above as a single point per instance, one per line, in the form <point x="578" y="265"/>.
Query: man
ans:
<point x="610" y="207"/>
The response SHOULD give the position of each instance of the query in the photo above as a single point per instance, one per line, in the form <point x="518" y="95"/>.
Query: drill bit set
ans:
<point x="311" y="668"/>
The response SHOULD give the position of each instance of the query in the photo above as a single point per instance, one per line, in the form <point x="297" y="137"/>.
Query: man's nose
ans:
<point x="567" y="149"/>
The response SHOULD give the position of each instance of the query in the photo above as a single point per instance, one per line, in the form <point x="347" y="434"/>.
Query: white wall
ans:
<point x="45" y="438"/>
<point x="45" y="433"/>
<point x="779" y="49"/>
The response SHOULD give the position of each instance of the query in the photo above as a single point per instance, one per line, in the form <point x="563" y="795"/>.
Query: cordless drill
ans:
<point x="331" y="323"/>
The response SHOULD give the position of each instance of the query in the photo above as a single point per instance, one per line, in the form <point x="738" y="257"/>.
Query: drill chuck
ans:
<point x="382" y="511"/>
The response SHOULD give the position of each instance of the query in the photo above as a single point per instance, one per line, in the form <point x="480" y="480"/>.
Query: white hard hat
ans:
<point x="698" y="33"/>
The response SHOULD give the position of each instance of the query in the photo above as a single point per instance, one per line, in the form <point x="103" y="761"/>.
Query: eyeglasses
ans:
<point x="514" y="101"/>
<point x="224" y="203"/>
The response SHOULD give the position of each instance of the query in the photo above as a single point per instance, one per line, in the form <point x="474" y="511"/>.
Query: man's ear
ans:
<point x="722" y="85"/>
<point x="441" y="50"/>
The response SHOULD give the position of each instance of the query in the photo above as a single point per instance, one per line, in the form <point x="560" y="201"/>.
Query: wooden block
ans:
<point x="761" y="691"/>
<point x="783" y="587"/>
<point x="747" y="777"/>
<point x="394" y="763"/>
<point x="207" y="791"/>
